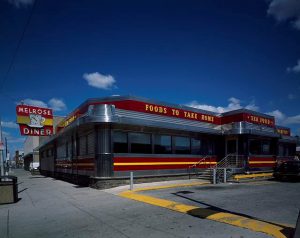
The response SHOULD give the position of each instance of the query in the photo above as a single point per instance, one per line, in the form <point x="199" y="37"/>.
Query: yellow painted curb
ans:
<point x="275" y="230"/>
<point x="170" y="186"/>
<point x="241" y="176"/>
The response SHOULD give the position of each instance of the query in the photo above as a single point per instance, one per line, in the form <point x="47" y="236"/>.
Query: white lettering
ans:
<point x="26" y="131"/>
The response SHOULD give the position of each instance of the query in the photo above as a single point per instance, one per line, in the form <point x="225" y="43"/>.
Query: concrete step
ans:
<point x="205" y="177"/>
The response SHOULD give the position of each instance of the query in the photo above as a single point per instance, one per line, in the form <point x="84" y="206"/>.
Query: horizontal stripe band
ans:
<point x="262" y="162"/>
<point x="26" y="120"/>
<point x="77" y="164"/>
<point x="163" y="163"/>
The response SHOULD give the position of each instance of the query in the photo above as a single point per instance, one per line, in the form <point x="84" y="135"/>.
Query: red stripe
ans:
<point x="160" y="159"/>
<point x="153" y="167"/>
<point x="261" y="159"/>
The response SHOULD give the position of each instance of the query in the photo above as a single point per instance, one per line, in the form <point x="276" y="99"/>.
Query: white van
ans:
<point x="34" y="167"/>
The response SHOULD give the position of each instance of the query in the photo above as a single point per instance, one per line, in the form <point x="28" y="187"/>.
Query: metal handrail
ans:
<point x="228" y="162"/>
<point x="194" y="166"/>
<point x="231" y="161"/>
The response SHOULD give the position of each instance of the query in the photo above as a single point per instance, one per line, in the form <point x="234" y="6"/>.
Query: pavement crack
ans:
<point x="30" y="198"/>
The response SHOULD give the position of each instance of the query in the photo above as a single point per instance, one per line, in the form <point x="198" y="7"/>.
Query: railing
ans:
<point x="194" y="166"/>
<point x="219" y="170"/>
<point x="230" y="161"/>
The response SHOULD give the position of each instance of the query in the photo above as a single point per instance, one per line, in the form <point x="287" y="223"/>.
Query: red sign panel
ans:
<point x="35" y="121"/>
<point x="30" y="131"/>
<point x="249" y="118"/>
<point x="260" y="120"/>
<point x="166" y="111"/>
<point x="283" y="131"/>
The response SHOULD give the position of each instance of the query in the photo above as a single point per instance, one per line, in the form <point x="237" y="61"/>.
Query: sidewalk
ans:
<point x="53" y="208"/>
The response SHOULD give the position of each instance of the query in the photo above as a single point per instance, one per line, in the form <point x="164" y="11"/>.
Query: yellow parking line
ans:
<point x="275" y="230"/>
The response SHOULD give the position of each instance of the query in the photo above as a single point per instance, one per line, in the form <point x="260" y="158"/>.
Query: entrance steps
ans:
<point x="205" y="174"/>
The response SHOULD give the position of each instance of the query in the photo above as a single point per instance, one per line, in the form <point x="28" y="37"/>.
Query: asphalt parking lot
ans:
<point x="267" y="200"/>
<point x="54" y="208"/>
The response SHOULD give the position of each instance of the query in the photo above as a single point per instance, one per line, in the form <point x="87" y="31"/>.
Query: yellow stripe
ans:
<point x="223" y="217"/>
<point x="161" y="163"/>
<point x="262" y="162"/>
<point x="26" y="120"/>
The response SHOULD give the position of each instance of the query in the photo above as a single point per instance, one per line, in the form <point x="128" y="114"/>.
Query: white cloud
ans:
<point x="233" y="104"/>
<point x="279" y="116"/>
<point x="20" y="3"/>
<point x="282" y="119"/>
<point x="294" y="69"/>
<point x="286" y="10"/>
<point x="33" y="102"/>
<point x="54" y="103"/>
<point x="9" y="124"/>
<point x="57" y="104"/>
<point x="98" y="80"/>
<point x="293" y="120"/>
<point x="252" y="107"/>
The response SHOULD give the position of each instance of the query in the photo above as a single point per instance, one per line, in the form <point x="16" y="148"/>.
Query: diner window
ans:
<point x="82" y="145"/>
<point x="281" y="150"/>
<point x="208" y="147"/>
<point x="120" y="142"/>
<point x="90" y="143"/>
<point x="61" y="151"/>
<point x="162" y="144"/>
<point x="289" y="150"/>
<point x="67" y="149"/>
<point x="254" y="147"/>
<point x="140" y="143"/>
<point x="182" y="145"/>
<point x="265" y="148"/>
<point x="195" y="146"/>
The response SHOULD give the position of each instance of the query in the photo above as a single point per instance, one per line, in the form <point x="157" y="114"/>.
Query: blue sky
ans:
<point x="217" y="55"/>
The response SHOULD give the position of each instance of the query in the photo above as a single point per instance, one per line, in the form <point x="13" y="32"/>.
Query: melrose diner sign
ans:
<point x="35" y="121"/>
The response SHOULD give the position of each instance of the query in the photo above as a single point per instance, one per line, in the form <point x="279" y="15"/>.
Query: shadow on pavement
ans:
<point x="212" y="210"/>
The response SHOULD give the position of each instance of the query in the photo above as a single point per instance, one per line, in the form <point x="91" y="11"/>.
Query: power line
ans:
<point x="18" y="47"/>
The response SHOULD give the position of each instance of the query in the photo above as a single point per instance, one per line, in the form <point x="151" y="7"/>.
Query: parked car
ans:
<point x="287" y="170"/>
<point x="34" y="168"/>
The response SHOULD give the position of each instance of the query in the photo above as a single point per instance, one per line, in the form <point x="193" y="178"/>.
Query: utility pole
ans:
<point x="1" y="150"/>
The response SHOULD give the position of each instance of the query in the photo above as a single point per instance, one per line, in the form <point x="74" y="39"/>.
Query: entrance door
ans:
<point x="231" y="146"/>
